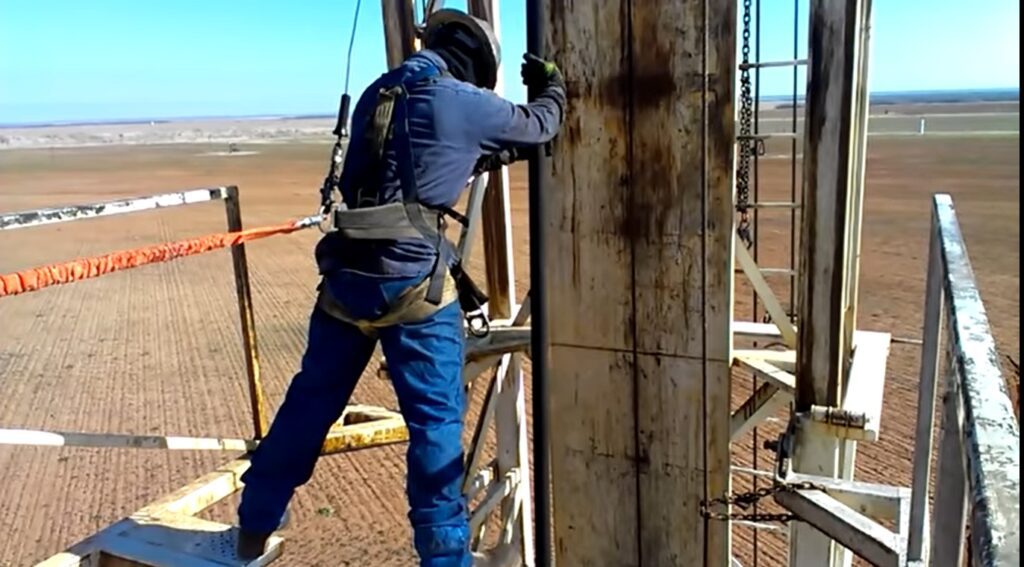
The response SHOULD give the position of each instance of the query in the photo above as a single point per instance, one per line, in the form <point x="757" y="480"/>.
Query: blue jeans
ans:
<point x="425" y="362"/>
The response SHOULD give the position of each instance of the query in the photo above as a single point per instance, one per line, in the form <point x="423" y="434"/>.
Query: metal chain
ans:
<point x="746" y="142"/>
<point x="745" y="500"/>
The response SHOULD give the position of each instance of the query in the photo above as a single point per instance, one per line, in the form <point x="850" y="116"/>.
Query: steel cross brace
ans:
<point x="850" y="512"/>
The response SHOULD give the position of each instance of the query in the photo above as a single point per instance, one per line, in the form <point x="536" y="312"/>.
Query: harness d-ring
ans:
<point x="478" y="323"/>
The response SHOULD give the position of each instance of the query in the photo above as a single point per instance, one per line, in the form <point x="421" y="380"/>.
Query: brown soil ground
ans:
<point x="157" y="349"/>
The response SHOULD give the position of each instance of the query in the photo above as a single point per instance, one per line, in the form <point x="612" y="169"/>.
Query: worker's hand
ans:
<point x="538" y="73"/>
<point x="494" y="162"/>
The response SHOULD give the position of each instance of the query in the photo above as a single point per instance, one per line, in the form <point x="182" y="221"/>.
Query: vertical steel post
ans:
<point x="830" y="189"/>
<point x="949" y="523"/>
<point x="535" y="11"/>
<point x="245" y="313"/>
<point x="399" y="30"/>
<point x="933" y="308"/>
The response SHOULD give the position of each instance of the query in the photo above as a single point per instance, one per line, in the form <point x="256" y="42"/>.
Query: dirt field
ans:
<point x="157" y="349"/>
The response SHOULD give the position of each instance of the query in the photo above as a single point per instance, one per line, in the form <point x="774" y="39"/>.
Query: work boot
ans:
<point x="251" y="545"/>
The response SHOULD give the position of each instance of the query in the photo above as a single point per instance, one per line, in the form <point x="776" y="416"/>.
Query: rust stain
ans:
<point x="365" y="435"/>
<point x="651" y="88"/>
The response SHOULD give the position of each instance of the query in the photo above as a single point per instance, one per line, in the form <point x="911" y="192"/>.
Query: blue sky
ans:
<point x="111" y="59"/>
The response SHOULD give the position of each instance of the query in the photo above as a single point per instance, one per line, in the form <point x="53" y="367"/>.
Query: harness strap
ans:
<point x="384" y="222"/>
<point x="415" y="212"/>
<point x="409" y="218"/>
<point x="411" y="306"/>
<point x="382" y="114"/>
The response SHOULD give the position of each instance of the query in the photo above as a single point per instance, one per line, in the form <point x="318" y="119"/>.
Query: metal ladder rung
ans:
<point x="766" y="64"/>
<point x="774" y="205"/>
<point x="769" y="136"/>
<point x="778" y="271"/>
<point x="772" y="271"/>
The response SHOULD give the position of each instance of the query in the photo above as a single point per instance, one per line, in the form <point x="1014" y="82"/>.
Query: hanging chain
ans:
<point x="746" y="141"/>
<point x="783" y="448"/>
<point x="745" y="500"/>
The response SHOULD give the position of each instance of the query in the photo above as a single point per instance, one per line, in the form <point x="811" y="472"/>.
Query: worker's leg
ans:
<point x="336" y="355"/>
<point x="425" y="362"/>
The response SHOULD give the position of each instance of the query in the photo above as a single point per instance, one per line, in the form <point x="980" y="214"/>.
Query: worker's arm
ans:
<point x="507" y="127"/>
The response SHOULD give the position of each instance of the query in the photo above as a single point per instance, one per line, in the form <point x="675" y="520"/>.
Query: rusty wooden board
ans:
<point x="633" y="375"/>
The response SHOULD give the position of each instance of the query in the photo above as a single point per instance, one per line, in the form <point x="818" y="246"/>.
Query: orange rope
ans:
<point x="85" y="268"/>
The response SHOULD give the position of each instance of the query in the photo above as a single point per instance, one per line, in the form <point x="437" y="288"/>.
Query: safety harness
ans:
<point x="407" y="218"/>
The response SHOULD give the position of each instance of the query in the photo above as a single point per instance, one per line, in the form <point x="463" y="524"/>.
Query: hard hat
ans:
<point x="486" y="44"/>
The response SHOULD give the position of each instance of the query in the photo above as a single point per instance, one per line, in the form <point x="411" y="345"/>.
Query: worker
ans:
<point x="419" y="132"/>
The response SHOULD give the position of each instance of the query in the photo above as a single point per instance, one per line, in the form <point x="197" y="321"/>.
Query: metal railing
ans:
<point x="978" y="466"/>
<point x="240" y="265"/>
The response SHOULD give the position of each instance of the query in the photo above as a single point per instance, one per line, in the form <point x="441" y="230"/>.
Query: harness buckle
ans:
<point x="479" y="324"/>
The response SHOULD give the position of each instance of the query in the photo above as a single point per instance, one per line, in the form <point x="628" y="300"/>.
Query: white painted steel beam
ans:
<point x="846" y="526"/>
<point x="54" y="215"/>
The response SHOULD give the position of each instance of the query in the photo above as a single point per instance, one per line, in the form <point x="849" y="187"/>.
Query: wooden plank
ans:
<point x="671" y="439"/>
<point x="825" y="339"/>
<point x="593" y="459"/>
<point x="589" y="294"/>
<point x="824" y="349"/>
<point x="399" y="33"/>
<point x="589" y="270"/>
<point x="683" y="127"/>
<point x="636" y="275"/>
<point x="670" y="140"/>
<point x="497" y="212"/>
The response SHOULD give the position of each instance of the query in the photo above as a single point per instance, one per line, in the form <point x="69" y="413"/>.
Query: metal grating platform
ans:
<point x="171" y="541"/>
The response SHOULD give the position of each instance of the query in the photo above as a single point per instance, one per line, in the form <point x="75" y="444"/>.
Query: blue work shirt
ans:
<point x="451" y="125"/>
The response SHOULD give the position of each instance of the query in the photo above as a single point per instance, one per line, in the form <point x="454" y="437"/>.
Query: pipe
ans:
<point x="535" y="10"/>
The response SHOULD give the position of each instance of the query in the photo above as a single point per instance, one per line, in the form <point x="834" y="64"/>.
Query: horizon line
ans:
<point x="269" y="116"/>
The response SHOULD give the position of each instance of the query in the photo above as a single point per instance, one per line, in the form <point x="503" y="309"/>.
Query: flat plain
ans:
<point x="157" y="349"/>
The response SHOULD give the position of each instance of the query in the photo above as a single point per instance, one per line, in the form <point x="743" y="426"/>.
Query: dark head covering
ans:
<point x="462" y="52"/>
<point x="466" y="44"/>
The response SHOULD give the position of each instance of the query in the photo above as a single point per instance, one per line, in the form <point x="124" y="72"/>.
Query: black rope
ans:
<point x="351" y="43"/>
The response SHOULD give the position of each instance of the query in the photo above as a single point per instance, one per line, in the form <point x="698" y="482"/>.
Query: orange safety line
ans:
<point x="85" y="268"/>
